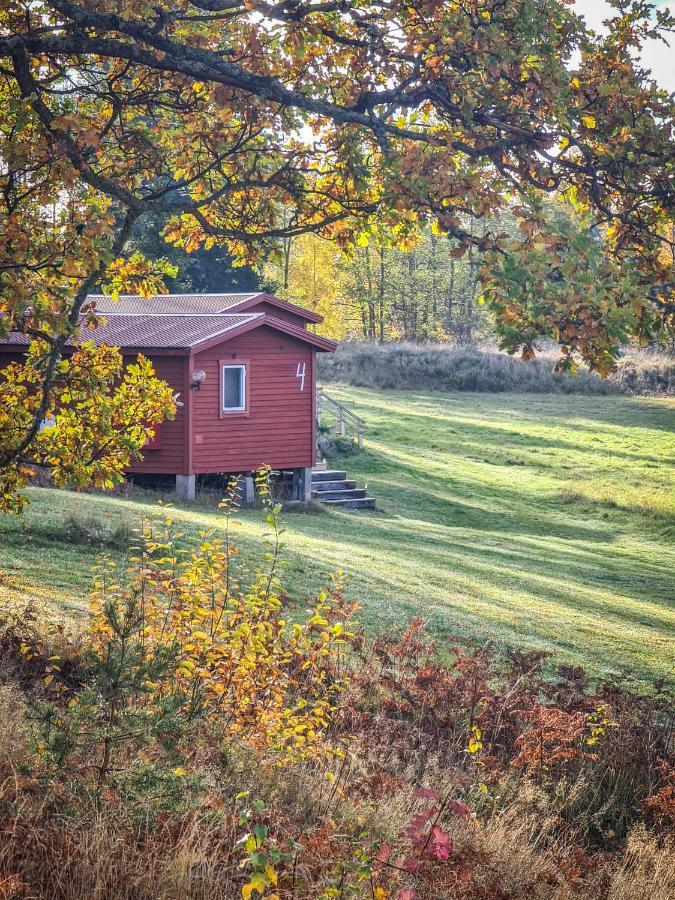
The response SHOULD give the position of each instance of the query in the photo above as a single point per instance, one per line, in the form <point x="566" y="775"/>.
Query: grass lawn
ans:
<point x="539" y="521"/>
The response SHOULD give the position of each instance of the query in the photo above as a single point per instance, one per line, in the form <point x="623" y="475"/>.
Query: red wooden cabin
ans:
<point x="244" y="366"/>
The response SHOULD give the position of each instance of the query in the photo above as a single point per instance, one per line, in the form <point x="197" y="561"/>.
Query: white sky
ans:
<point x="656" y="56"/>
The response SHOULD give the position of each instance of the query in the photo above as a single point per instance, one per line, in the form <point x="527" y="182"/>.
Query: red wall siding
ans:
<point x="169" y="458"/>
<point x="8" y="356"/>
<point x="286" y="315"/>
<point x="279" y="427"/>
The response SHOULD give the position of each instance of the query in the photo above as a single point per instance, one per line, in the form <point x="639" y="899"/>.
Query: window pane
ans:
<point x="233" y="387"/>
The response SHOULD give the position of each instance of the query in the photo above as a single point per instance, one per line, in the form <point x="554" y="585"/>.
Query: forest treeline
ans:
<point x="383" y="292"/>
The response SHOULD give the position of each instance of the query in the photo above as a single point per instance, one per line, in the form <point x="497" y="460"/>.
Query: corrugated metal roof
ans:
<point x="165" y="304"/>
<point x="182" y="332"/>
<point x="165" y="331"/>
<point x="159" y="332"/>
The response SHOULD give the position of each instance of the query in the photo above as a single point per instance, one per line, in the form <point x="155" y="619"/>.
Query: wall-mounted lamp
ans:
<point x="198" y="379"/>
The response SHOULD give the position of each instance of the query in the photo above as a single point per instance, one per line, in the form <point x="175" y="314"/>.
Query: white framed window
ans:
<point x="233" y="388"/>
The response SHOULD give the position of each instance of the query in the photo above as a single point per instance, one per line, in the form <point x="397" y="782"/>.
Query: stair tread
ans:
<point x="340" y="491"/>
<point x="353" y="498"/>
<point x="327" y="496"/>
<point x="331" y="476"/>
<point x="355" y="502"/>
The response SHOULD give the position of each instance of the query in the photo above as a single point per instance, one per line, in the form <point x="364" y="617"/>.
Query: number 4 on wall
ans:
<point x="300" y="373"/>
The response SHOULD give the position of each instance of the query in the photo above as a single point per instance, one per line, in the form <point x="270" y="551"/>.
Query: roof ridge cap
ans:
<point x="182" y="315"/>
<point x="190" y="294"/>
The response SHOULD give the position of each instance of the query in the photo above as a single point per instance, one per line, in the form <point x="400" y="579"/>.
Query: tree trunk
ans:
<point x="381" y="297"/>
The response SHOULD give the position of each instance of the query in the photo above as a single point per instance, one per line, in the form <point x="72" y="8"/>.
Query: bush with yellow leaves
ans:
<point x="183" y="642"/>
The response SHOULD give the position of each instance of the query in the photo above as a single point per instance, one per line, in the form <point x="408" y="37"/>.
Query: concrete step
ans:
<point x="328" y="475"/>
<point x="352" y="494"/>
<point x="356" y="503"/>
<point x="333" y="485"/>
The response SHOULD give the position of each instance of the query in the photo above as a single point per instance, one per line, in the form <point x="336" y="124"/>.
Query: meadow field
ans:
<point x="535" y="521"/>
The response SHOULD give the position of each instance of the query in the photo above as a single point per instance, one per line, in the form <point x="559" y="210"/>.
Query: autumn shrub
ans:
<point x="450" y="367"/>
<point x="177" y="642"/>
<point x="601" y="755"/>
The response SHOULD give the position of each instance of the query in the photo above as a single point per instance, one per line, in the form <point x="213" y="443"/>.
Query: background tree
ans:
<point x="433" y="292"/>
<point x="307" y="272"/>
<point x="381" y="291"/>
<point x="248" y="122"/>
<point x="368" y="285"/>
<point x="202" y="271"/>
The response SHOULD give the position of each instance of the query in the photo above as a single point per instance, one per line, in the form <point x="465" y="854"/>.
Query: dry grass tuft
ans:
<point x="97" y="531"/>
<point x="645" y="372"/>
<point x="646" y="870"/>
<point x="12" y="728"/>
<point x="104" y="859"/>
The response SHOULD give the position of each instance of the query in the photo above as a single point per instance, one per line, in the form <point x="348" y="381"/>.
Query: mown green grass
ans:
<point x="536" y="521"/>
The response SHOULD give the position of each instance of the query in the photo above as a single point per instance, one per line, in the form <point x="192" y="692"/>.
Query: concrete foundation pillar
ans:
<point x="185" y="487"/>
<point x="245" y="493"/>
<point x="302" y="485"/>
<point x="247" y="488"/>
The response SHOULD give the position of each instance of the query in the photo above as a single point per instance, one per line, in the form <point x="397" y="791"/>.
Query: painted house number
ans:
<point x="300" y="373"/>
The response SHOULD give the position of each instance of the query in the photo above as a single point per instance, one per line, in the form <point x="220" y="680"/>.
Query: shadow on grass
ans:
<point x="606" y="409"/>
<point x="475" y="439"/>
<point x="560" y="567"/>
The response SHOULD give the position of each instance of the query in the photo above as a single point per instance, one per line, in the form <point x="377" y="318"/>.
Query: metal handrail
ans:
<point x="342" y="414"/>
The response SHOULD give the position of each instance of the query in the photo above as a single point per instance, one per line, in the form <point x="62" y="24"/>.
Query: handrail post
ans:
<point x="360" y="435"/>
<point x="341" y="422"/>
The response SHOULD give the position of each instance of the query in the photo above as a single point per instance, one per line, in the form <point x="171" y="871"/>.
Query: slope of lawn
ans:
<point x="538" y="521"/>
